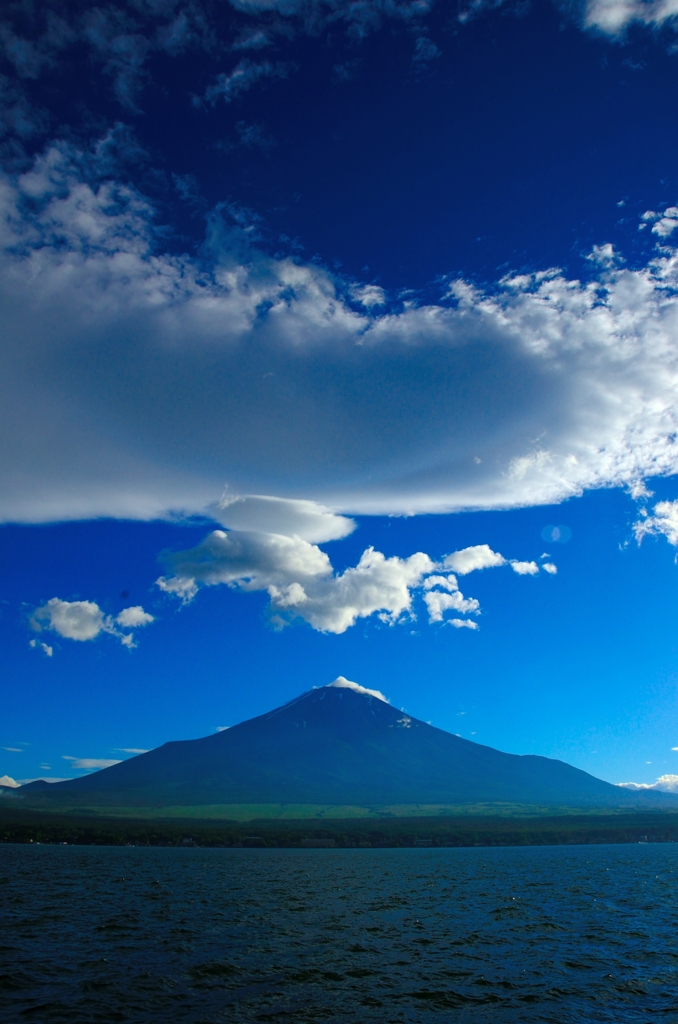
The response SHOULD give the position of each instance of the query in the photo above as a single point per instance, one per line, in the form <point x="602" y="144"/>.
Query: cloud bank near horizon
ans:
<point x="137" y="383"/>
<point x="664" y="784"/>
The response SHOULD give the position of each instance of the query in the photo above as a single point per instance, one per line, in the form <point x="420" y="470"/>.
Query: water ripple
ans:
<point x="193" y="936"/>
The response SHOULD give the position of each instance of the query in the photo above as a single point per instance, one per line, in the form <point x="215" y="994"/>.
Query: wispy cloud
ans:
<point x="228" y="86"/>
<point x="663" y="521"/>
<point x="89" y="764"/>
<point x="425" y="50"/>
<point x="121" y="39"/>
<point x="42" y="778"/>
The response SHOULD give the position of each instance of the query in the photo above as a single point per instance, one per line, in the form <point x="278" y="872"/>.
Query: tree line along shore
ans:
<point x="23" y="826"/>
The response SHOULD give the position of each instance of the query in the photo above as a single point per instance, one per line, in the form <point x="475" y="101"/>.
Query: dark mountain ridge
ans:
<point x="336" y="745"/>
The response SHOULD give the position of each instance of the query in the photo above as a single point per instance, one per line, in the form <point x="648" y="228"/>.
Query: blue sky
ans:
<point x="318" y="319"/>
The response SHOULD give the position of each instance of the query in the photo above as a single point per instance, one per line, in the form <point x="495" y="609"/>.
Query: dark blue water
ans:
<point x="556" y="934"/>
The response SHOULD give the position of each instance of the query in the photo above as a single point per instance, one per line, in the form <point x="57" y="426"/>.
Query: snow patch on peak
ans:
<point x="346" y="684"/>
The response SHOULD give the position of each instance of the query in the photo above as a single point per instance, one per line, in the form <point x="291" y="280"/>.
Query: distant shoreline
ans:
<point x="570" y="829"/>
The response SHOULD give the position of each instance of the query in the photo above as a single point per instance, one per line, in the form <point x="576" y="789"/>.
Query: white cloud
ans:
<point x="667" y="224"/>
<point x="134" y="617"/>
<point x="369" y="295"/>
<point x="438" y="603"/>
<point x="45" y="648"/>
<point x="550" y="568"/>
<point x="481" y="556"/>
<point x="604" y="255"/>
<point x="664" y="224"/>
<point x="84" y="620"/>
<point x="664" y="521"/>
<point x="13" y="750"/>
<point x="301" y="582"/>
<point x="446" y="582"/>
<point x="665" y="784"/>
<point x="255" y="561"/>
<point x="299" y="578"/>
<point x="376" y="585"/>
<point x="525" y="568"/>
<point x="613" y="16"/>
<point x="131" y="750"/>
<point x="7" y="780"/>
<point x="89" y="764"/>
<point x="134" y="383"/>
<point x="346" y="684"/>
<point x="74" y="620"/>
<point x="464" y="623"/>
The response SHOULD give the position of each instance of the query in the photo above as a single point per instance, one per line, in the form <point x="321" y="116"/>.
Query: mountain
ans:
<point x="338" y="745"/>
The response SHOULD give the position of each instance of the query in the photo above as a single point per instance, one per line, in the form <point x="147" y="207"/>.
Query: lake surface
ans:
<point x="558" y="934"/>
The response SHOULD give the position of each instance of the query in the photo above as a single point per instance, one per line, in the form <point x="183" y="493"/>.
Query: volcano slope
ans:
<point x="336" y="746"/>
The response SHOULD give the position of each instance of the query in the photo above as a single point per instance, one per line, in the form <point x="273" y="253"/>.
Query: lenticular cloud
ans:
<point x="137" y="383"/>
